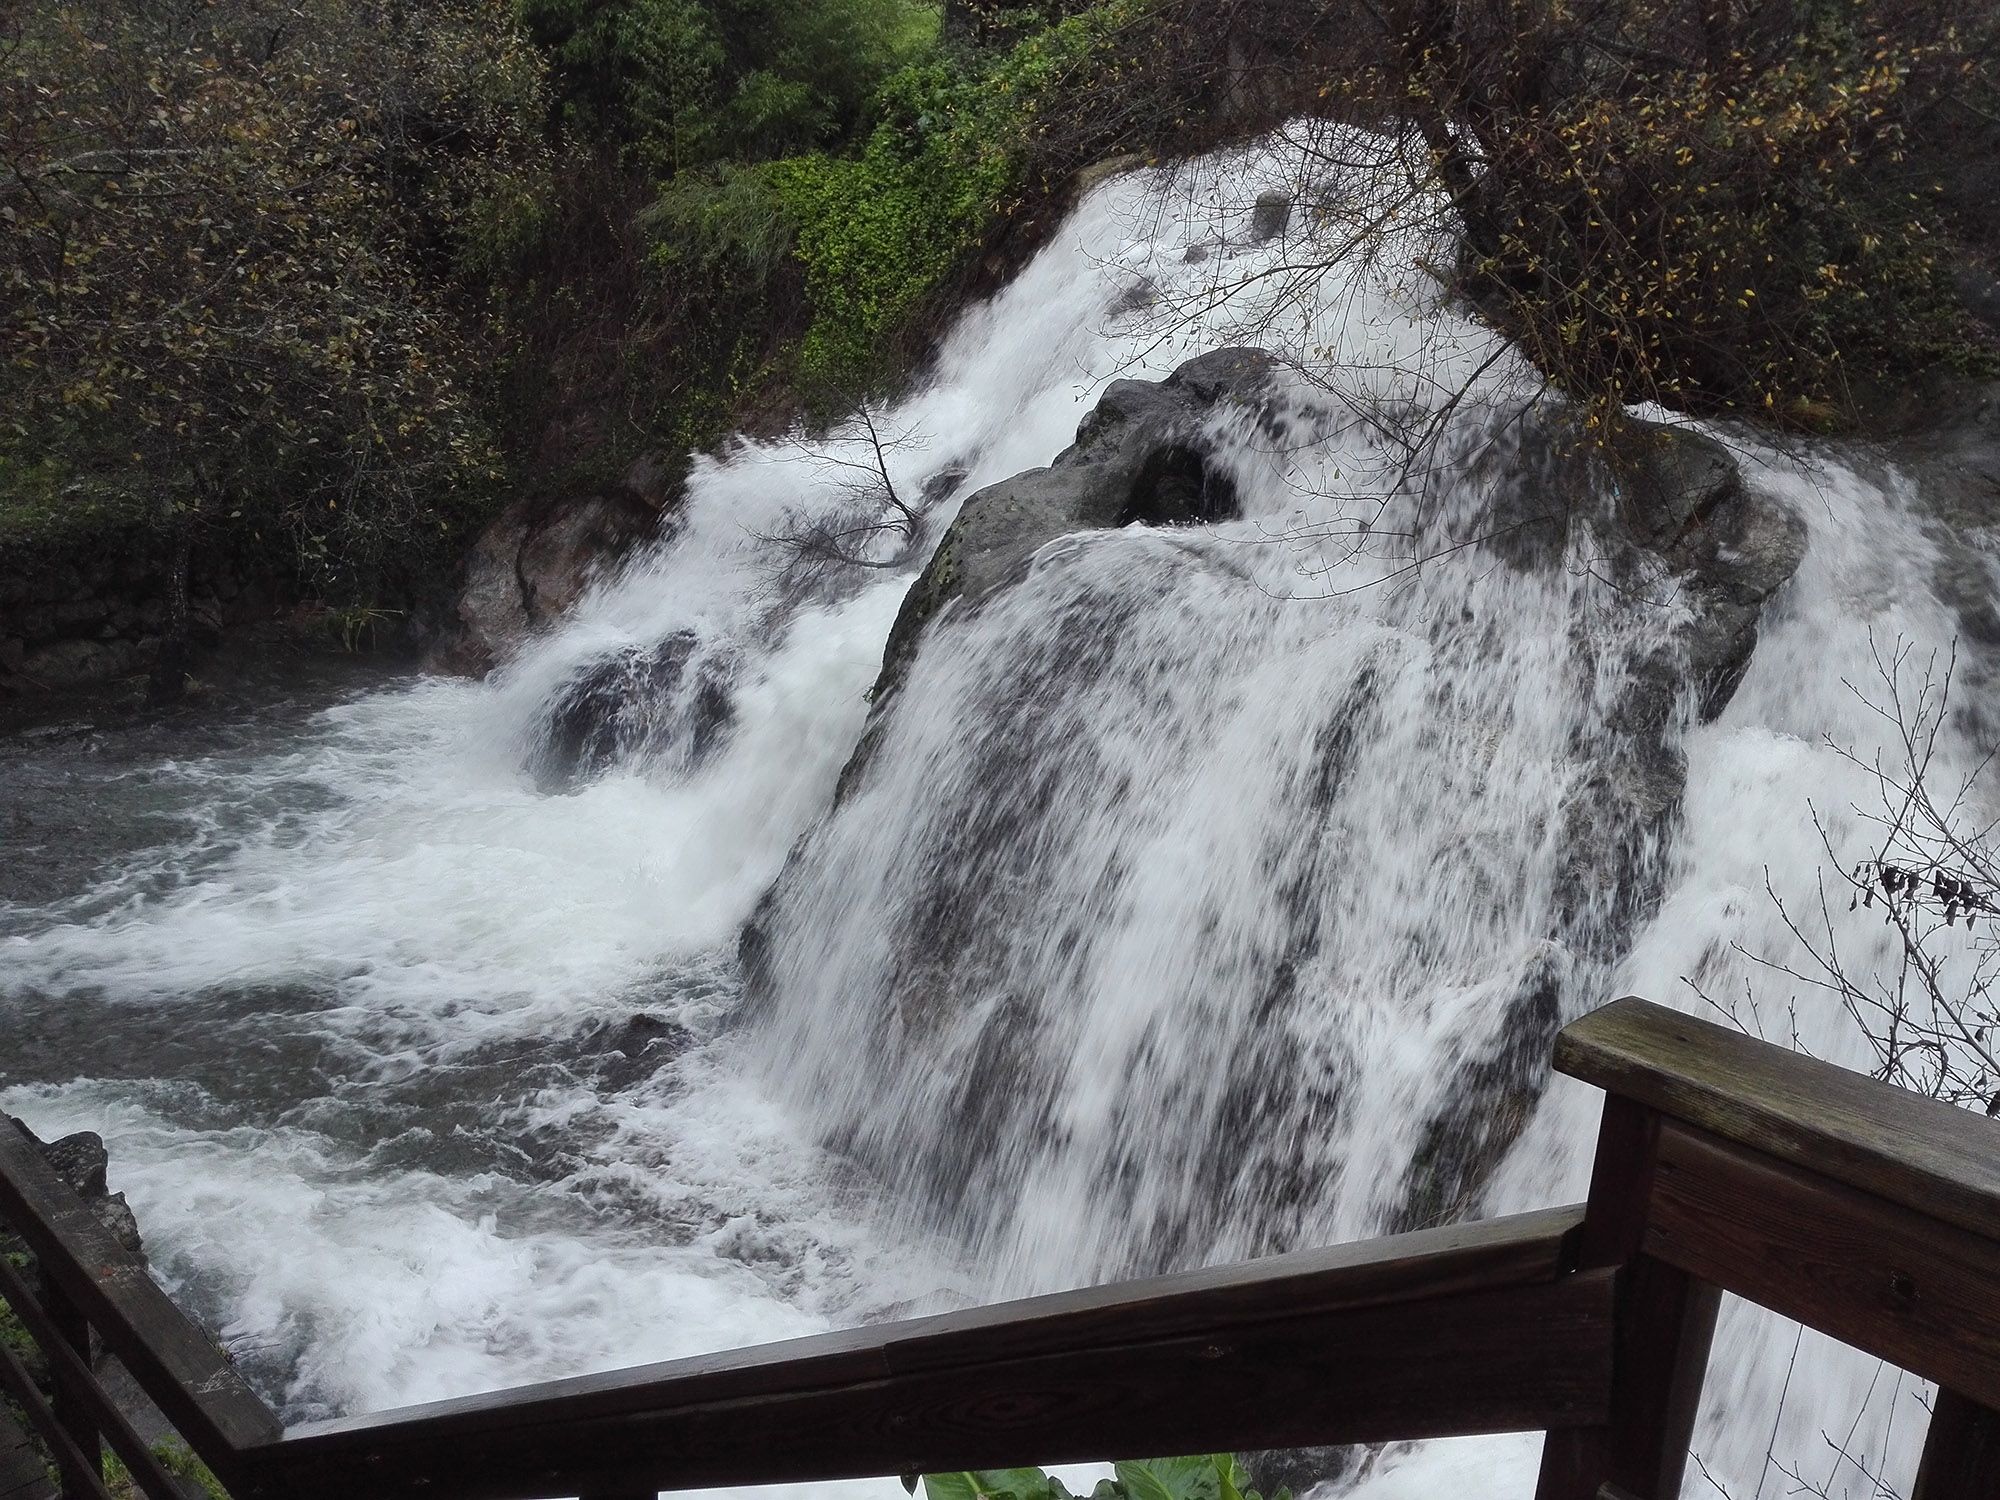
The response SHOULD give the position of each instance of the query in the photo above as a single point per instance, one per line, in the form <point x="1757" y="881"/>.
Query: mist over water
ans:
<point x="1189" y="884"/>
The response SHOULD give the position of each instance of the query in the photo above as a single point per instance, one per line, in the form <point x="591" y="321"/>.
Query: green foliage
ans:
<point x="225" y="286"/>
<point x="1208" y="1476"/>
<point x="676" y="85"/>
<point x="877" y="232"/>
<point x="177" y="1459"/>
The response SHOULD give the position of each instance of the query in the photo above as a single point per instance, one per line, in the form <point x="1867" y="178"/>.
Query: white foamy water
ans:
<point x="1188" y="884"/>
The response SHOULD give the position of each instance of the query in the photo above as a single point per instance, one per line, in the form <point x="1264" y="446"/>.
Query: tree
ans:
<point x="875" y="525"/>
<point x="219" y="285"/>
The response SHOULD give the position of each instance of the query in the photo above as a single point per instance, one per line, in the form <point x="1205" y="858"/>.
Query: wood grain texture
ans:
<point x="187" y="1376"/>
<point x="22" y="1476"/>
<point x="1520" y="1358"/>
<point x="1920" y="1293"/>
<point x="1940" y="1161"/>
<point x="1665" y="1322"/>
<point x="100" y="1413"/>
<point x="1961" y="1452"/>
<point x="1518" y="1250"/>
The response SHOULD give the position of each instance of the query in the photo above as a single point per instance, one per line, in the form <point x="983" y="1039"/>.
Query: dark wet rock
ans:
<point x="1487" y="1099"/>
<point x="1682" y="498"/>
<point x="72" y="663"/>
<point x="82" y="1161"/>
<point x="1300" y="1469"/>
<point x="630" y="1051"/>
<point x="1141" y="457"/>
<point x="538" y="557"/>
<point x="667" y="704"/>
<point x="1271" y="215"/>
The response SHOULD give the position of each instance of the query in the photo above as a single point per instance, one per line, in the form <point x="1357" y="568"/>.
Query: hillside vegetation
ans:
<point x="322" y="282"/>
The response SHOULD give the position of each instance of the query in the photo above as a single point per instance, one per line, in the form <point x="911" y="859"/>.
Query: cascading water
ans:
<point x="1207" y="890"/>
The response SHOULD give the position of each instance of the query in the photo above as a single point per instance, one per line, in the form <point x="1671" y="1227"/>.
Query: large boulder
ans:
<point x="1143" y="456"/>
<point x="538" y="557"/>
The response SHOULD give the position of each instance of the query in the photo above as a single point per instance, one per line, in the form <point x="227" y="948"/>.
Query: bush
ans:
<point x="678" y="85"/>
<point x="876" y="233"/>
<point x="1730" y="240"/>
<point x="227" y="275"/>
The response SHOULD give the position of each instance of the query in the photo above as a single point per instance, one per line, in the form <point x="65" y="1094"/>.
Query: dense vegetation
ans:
<point x="325" y="280"/>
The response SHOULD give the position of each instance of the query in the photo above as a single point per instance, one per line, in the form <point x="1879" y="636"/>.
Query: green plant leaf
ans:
<point x="1193" y="1478"/>
<point x="988" y="1484"/>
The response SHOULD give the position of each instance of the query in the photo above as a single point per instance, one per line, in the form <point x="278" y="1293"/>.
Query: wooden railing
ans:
<point x="1722" y="1164"/>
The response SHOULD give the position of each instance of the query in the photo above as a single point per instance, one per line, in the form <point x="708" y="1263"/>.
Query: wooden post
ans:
<point x="1962" y="1453"/>
<point x="1665" y="1321"/>
<point x="71" y="1406"/>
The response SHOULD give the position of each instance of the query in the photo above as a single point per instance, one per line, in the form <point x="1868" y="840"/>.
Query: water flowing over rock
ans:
<point x="1274" y="751"/>
<point x="1042" y="695"/>
<point x="663" y="705"/>
<point x="1142" y="457"/>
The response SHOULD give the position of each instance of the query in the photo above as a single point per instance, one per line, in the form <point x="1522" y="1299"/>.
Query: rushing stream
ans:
<point x="1188" y="885"/>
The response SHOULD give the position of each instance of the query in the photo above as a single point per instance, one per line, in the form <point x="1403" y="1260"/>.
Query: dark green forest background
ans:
<point x="326" y="282"/>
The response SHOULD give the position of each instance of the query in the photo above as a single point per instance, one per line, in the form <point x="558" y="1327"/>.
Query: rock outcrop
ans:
<point x="1690" y="556"/>
<point x="81" y="1161"/>
<point x="668" y="703"/>
<point x="71" y="617"/>
<point x="536" y="559"/>
<point x="1142" y="456"/>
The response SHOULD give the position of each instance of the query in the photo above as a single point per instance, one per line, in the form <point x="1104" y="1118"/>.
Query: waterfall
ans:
<point x="1203" y="891"/>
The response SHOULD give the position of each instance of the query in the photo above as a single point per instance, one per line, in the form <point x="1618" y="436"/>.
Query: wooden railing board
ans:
<point x="1920" y="1293"/>
<point x="80" y="1475"/>
<point x="76" y="1378"/>
<point x="1665" y="1321"/>
<point x="1937" y="1160"/>
<point x="1516" y="1358"/>
<point x="188" y="1377"/>
<point x="1721" y="1163"/>
<point x="1961" y="1451"/>
<point x="1517" y="1250"/>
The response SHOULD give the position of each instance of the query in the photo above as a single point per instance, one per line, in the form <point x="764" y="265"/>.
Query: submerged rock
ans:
<point x="661" y="702"/>
<point x="1271" y="215"/>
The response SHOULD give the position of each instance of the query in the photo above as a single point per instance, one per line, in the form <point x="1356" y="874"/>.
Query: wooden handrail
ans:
<point x="187" y="1376"/>
<point x="1914" y="1152"/>
<point x="139" y="1460"/>
<point x="1722" y="1163"/>
<point x="1467" y="1329"/>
